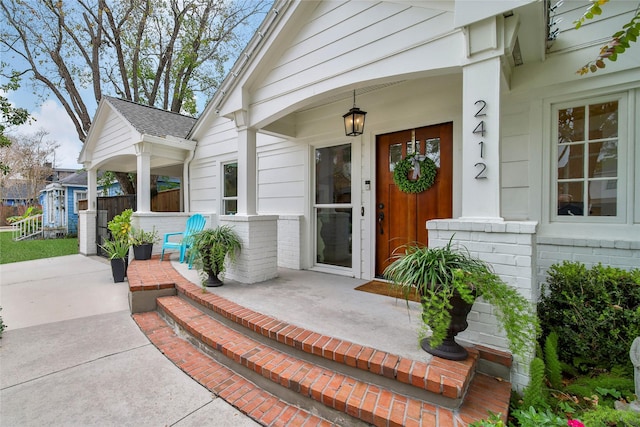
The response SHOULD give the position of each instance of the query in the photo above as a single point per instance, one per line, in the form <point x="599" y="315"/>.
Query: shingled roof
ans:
<point x="151" y="120"/>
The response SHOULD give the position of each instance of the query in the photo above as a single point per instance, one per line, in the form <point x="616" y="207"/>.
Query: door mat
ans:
<point x="386" y="289"/>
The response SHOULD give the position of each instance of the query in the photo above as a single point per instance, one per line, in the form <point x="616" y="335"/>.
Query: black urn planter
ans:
<point x="449" y="349"/>
<point x="212" y="280"/>
<point x="118" y="269"/>
<point x="142" y="252"/>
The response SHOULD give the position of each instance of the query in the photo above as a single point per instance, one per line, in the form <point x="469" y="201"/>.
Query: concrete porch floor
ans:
<point x="330" y="305"/>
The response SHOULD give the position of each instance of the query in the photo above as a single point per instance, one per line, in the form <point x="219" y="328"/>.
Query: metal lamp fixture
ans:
<point x="354" y="120"/>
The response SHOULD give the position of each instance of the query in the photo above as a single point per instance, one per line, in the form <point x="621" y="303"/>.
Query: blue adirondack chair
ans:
<point x="194" y="224"/>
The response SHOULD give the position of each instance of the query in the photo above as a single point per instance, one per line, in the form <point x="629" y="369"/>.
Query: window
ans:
<point x="589" y="152"/>
<point x="230" y="189"/>
<point x="332" y="208"/>
<point x="77" y="196"/>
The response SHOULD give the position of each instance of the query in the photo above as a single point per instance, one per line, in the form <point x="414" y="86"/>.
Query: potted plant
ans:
<point x="120" y="225"/>
<point x="142" y="242"/>
<point x="210" y="248"/>
<point x="449" y="280"/>
<point x="117" y="250"/>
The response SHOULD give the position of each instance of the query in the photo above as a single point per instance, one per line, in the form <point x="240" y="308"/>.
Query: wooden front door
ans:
<point x="401" y="217"/>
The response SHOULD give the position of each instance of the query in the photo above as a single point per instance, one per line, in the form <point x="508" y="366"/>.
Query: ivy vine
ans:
<point x="425" y="179"/>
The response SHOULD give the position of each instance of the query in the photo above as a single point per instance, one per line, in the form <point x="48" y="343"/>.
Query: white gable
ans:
<point x="110" y="135"/>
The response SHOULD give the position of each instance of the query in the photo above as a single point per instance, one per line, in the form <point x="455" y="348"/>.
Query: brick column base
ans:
<point x="509" y="247"/>
<point x="258" y="259"/>
<point x="87" y="232"/>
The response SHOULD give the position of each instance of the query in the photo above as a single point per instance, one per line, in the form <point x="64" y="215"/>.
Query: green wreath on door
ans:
<point x="423" y="177"/>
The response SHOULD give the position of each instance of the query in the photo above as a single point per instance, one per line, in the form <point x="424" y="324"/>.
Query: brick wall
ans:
<point x="87" y="232"/>
<point x="624" y="254"/>
<point x="258" y="259"/>
<point x="290" y="241"/>
<point x="509" y="247"/>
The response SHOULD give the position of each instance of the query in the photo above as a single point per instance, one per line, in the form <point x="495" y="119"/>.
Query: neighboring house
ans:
<point x="536" y="164"/>
<point x="16" y="193"/>
<point x="59" y="201"/>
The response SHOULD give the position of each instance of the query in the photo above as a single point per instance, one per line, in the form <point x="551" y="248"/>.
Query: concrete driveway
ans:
<point x="72" y="356"/>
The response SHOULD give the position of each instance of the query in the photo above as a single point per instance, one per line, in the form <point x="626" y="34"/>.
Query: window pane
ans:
<point x="571" y="124"/>
<point x="230" y="207"/>
<point x="334" y="237"/>
<point x="603" y="159"/>
<point x="333" y="174"/>
<point x="603" y="120"/>
<point x="571" y="161"/>
<point x="395" y="155"/>
<point x="603" y="198"/>
<point x="432" y="150"/>
<point x="231" y="180"/>
<point x="570" y="200"/>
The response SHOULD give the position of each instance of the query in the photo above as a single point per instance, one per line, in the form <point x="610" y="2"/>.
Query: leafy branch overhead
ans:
<point x="619" y="42"/>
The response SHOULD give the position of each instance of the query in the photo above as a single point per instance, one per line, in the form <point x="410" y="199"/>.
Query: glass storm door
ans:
<point x="332" y="207"/>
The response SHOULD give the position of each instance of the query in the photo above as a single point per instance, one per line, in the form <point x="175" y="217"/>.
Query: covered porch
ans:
<point x="135" y="139"/>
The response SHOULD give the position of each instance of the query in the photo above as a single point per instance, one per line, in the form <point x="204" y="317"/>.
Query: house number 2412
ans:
<point x="481" y="129"/>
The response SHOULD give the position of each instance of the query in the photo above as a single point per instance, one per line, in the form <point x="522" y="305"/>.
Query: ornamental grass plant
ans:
<point x="439" y="273"/>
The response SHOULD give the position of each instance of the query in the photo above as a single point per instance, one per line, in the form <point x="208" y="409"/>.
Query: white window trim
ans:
<point x="76" y="199"/>
<point x="354" y="270"/>
<point x="623" y="143"/>
<point x="608" y="228"/>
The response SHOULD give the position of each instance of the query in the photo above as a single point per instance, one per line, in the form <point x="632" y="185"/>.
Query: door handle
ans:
<point x="380" y="219"/>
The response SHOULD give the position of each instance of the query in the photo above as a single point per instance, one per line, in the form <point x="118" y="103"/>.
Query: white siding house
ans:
<point x="541" y="160"/>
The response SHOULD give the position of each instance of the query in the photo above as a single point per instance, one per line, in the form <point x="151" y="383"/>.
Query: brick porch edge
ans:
<point x="447" y="378"/>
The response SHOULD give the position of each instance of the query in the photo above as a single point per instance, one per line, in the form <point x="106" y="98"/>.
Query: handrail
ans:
<point x="27" y="227"/>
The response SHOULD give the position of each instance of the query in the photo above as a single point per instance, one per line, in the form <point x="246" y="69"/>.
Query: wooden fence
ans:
<point x="165" y="201"/>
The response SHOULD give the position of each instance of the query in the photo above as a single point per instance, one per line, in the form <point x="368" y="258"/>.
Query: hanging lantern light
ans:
<point x="354" y="120"/>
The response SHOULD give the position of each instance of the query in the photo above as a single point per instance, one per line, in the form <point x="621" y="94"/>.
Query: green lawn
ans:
<point x="25" y="250"/>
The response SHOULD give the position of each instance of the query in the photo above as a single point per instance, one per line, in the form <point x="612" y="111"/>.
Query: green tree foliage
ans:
<point x="619" y="42"/>
<point x="11" y="115"/>
<point x="161" y="53"/>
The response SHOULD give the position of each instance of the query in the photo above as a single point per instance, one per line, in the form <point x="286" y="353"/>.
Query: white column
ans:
<point x="481" y="140"/>
<point x="247" y="182"/>
<point x="92" y="188"/>
<point x="143" y="170"/>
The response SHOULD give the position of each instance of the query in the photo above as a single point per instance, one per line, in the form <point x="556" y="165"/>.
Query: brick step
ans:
<point x="454" y="398"/>
<point x="340" y="394"/>
<point x="444" y="381"/>
<point x="248" y="398"/>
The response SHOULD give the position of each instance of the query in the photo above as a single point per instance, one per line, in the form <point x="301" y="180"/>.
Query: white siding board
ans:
<point x="277" y="190"/>
<point x="360" y="37"/>
<point x="614" y="15"/>
<point x="281" y="160"/>
<point x="115" y="139"/>
<point x="515" y="174"/>
<point x="280" y="175"/>
<point x="281" y="205"/>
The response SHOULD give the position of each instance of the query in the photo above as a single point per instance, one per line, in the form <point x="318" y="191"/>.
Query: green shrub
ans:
<point x="609" y="417"/>
<point x="596" y="313"/>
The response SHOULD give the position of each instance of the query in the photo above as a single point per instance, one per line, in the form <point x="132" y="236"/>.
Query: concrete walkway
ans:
<point x="72" y="356"/>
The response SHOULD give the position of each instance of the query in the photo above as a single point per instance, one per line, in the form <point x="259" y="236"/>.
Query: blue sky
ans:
<point x="51" y="117"/>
